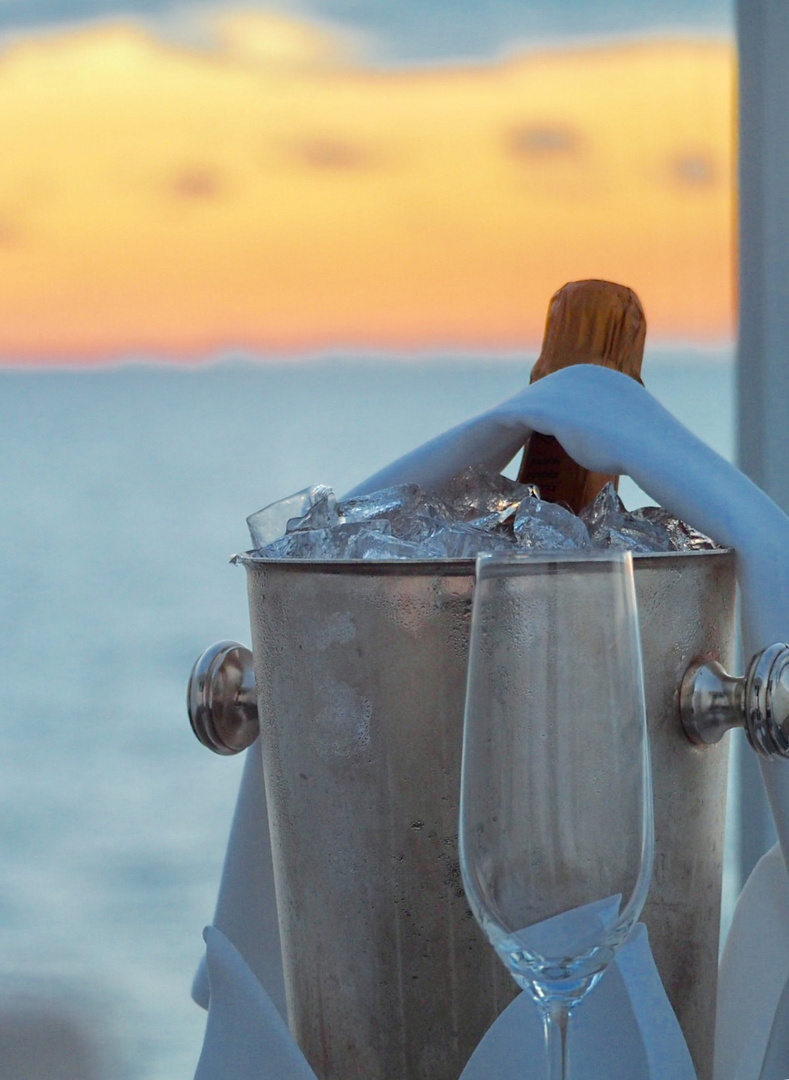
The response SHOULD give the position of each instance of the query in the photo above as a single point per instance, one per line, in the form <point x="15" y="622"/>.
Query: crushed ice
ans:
<point x="479" y="511"/>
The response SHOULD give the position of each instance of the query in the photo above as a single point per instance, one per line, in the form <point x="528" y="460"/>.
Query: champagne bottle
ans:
<point x="589" y="322"/>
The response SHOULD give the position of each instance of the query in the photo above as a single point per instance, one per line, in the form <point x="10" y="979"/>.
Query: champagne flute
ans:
<point x="556" y="833"/>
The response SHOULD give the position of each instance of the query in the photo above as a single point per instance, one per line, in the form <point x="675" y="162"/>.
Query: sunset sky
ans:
<point x="273" y="190"/>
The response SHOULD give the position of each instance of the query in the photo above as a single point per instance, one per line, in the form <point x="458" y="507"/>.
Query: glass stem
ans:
<point x="555" y="1018"/>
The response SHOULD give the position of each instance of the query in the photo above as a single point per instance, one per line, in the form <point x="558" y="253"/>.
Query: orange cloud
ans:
<point x="277" y="194"/>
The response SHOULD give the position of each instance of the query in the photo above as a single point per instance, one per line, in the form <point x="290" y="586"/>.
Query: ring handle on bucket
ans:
<point x="221" y="698"/>
<point x="712" y="701"/>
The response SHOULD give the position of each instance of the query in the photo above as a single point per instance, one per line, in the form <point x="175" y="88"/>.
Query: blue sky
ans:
<point x="422" y="29"/>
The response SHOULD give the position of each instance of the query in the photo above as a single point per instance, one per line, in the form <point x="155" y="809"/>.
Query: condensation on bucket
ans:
<point x="341" y="727"/>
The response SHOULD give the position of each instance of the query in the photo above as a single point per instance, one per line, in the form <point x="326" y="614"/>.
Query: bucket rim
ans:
<point x="436" y="567"/>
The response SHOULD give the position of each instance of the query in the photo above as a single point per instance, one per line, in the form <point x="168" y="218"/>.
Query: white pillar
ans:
<point x="763" y="348"/>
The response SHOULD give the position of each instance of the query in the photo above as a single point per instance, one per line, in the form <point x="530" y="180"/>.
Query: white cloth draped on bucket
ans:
<point x="611" y="424"/>
<point x="247" y="1039"/>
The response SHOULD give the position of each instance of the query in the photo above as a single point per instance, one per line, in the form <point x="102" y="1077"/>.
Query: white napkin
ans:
<point x="246" y="1037"/>
<point x="625" y="1029"/>
<point x="246" y="908"/>
<point x="628" y="1009"/>
<point x="611" y="424"/>
<point x="753" y="973"/>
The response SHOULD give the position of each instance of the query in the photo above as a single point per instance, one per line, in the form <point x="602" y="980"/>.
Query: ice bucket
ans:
<point x="360" y="671"/>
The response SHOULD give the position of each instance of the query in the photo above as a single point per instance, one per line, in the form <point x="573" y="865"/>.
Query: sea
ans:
<point x="125" y="493"/>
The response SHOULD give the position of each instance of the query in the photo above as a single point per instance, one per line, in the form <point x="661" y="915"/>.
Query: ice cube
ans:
<point x="431" y="515"/>
<point x="270" y="523"/>
<point x="463" y="540"/>
<point x="321" y="515"/>
<point x="321" y="543"/>
<point x="612" y="526"/>
<point x="382" y="504"/>
<point x="305" y="544"/>
<point x="413" y="514"/>
<point x="370" y="544"/>
<point x="479" y="491"/>
<point x="500" y="520"/>
<point x="547" y="526"/>
<point x="682" y="537"/>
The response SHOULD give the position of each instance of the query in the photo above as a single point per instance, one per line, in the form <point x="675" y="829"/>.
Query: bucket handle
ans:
<point x="222" y="704"/>
<point x="221" y="698"/>
<point x="711" y="702"/>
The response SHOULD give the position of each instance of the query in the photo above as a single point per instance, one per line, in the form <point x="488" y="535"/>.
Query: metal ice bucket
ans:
<point x="360" y="671"/>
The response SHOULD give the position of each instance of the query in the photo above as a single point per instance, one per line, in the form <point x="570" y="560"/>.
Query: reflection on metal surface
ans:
<point x="221" y="698"/>
<point x="712" y="702"/>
